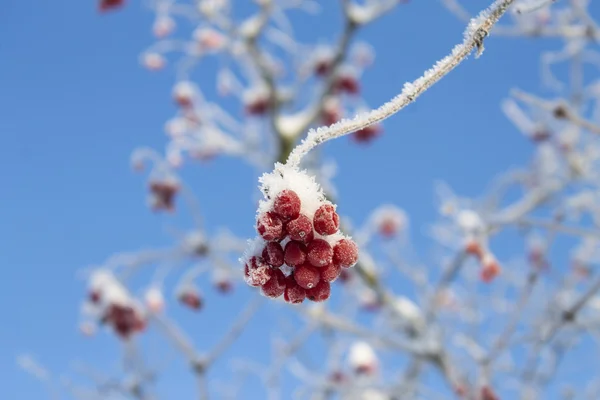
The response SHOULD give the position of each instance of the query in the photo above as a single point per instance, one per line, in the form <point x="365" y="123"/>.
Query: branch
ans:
<point x="476" y="32"/>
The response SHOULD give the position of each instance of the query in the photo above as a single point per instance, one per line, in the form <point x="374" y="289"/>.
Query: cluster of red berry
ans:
<point x="310" y="249"/>
<point x="123" y="318"/>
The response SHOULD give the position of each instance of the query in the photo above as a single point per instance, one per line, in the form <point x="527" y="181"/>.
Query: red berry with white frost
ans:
<point x="257" y="272"/>
<point x="270" y="226"/>
<point x="275" y="286"/>
<point x="321" y="292"/>
<point x="273" y="254"/>
<point x="331" y="272"/>
<point x="294" y="293"/>
<point x="319" y="253"/>
<point x="345" y="253"/>
<point x="307" y="276"/>
<point x="300" y="229"/>
<point x="287" y="205"/>
<point x="326" y="220"/>
<point x="295" y="254"/>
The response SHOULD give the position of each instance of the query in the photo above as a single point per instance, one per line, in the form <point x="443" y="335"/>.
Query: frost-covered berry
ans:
<point x="106" y="5"/>
<point x="270" y="226"/>
<point x="367" y="134"/>
<point x="331" y="272"/>
<point x="257" y="272"/>
<point x="184" y="93"/>
<point x="191" y="300"/>
<point x="294" y="293"/>
<point x="319" y="253"/>
<point x="346" y="82"/>
<point x="273" y="254"/>
<point x="488" y="394"/>
<point x="321" y="292"/>
<point x="490" y="269"/>
<point x="153" y="61"/>
<point x="124" y="319"/>
<point x="163" y="26"/>
<point x="300" y="229"/>
<point x="345" y="253"/>
<point x="94" y="296"/>
<point x="362" y="359"/>
<point x="287" y="205"/>
<point x="307" y="276"/>
<point x="474" y="248"/>
<point x="326" y="221"/>
<point x="163" y="194"/>
<point x="275" y="286"/>
<point x="294" y="254"/>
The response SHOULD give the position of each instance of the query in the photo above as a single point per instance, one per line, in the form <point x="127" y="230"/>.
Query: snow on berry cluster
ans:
<point x="299" y="249"/>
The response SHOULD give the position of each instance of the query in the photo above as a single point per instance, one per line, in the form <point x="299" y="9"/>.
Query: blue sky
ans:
<point x="74" y="103"/>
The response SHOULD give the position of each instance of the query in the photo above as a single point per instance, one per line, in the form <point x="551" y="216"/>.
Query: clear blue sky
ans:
<point x="74" y="103"/>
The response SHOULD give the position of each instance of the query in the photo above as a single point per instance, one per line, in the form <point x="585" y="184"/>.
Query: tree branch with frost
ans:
<point x="476" y="32"/>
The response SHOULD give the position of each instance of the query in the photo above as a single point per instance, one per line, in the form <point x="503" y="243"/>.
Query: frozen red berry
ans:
<point x="287" y="205"/>
<point x="273" y="254"/>
<point x="347" y="83"/>
<point x="106" y="5"/>
<point x="322" y="66"/>
<point x="294" y="293"/>
<point x="319" y="253"/>
<point x="367" y="134"/>
<point x="257" y="272"/>
<point x="326" y="221"/>
<point x="269" y="226"/>
<point x="307" y="276"/>
<point x="124" y="320"/>
<point x="94" y="296"/>
<point x="191" y="299"/>
<point x="300" y="229"/>
<point x="330" y="272"/>
<point x="163" y="194"/>
<point x="321" y="292"/>
<point x="258" y="106"/>
<point x="294" y="254"/>
<point x="275" y="286"/>
<point x="345" y="253"/>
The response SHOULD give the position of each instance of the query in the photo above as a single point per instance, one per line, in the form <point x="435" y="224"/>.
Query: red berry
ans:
<point x="191" y="299"/>
<point x="331" y="272"/>
<point x="94" y="296"/>
<point x="345" y="276"/>
<point x="294" y="293"/>
<point x="300" y="229"/>
<point x="269" y="226"/>
<point x="319" y="253"/>
<point x="367" y="134"/>
<point x="257" y="272"/>
<point x="488" y="394"/>
<point x="307" y="276"/>
<point x="287" y="205"/>
<point x="322" y="67"/>
<point x="294" y="254"/>
<point x="275" y="286"/>
<point x="345" y="253"/>
<point x="273" y="254"/>
<point x="346" y="83"/>
<point x="258" y="106"/>
<point x="321" y="292"/>
<point x="163" y="194"/>
<point x="106" y="5"/>
<point x="326" y="220"/>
